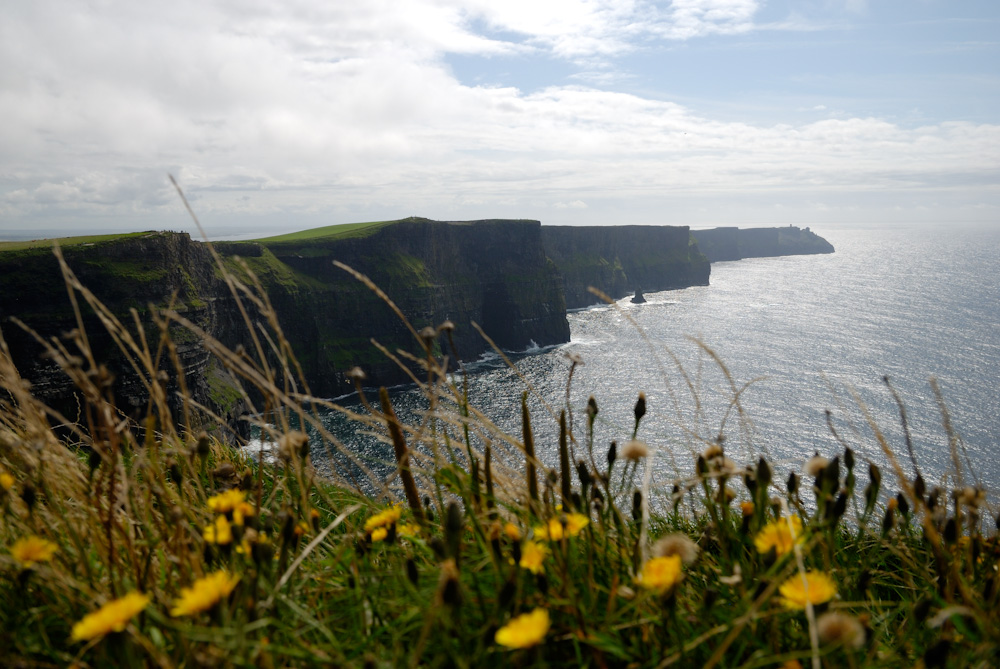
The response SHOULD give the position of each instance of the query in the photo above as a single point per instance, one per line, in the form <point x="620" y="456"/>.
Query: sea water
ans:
<point x="764" y="352"/>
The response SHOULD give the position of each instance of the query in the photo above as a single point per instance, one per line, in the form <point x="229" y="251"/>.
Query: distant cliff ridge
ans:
<point x="516" y="279"/>
<point x="620" y="259"/>
<point x="737" y="243"/>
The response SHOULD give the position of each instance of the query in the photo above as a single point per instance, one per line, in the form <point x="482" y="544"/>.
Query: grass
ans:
<point x="342" y="231"/>
<point x="66" y="241"/>
<point x="146" y="542"/>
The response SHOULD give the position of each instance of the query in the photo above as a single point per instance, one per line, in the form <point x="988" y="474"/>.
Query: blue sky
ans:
<point x="277" y="116"/>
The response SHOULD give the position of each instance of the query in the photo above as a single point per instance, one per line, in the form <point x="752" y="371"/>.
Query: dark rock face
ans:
<point x="734" y="243"/>
<point x="494" y="273"/>
<point x="618" y="259"/>
<point x="491" y="272"/>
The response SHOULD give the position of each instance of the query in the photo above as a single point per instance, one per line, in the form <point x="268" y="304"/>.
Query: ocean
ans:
<point x="792" y="337"/>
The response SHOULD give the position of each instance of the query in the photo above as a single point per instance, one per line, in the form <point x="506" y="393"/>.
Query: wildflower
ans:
<point x="383" y="518"/>
<point x="241" y="512"/>
<point x="834" y="627"/>
<point x="112" y="617"/>
<point x="533" y="554"/>
<point x="779" y="536"/>
<point x="553" y="530"/>
<point x="813" y="587"/>
<point x="747" y="508"/>
<point x="660" y="574"/>
<point x="219" y="532"/>
<point x="379" y="534"/>
<point x="31" y="549"/>
<point x="408" y="530"/>
<point x="512" y="532"/>
<point x="635" y="450"/>
<point x="6" y="481"/>
<point x="735" y="578"/>
<point x="204" y="594"/>
<point x="525" y="630"/>
<point x="815" y="465"/>
<point x="227" y="501"/>
<point x="676" y="544"/>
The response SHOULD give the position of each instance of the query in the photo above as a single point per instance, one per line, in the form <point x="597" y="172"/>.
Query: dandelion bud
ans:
<point x="507" y="593"/>
<point x="839" y="507"/>
<point x="29" y="496"/>
<point x="437" y="546"/>
<point x="888" y="521"/>
<point x="94" y="459"/>
<point x="450" y="593"/>
<point x="793" y="483"/>
<point x="453" y="529"/>
<point x="636" y="505"/>
<point x="575" y="499"/>
<point x="224" y="471"/>
<point x="411" y="571"/>
<point x="173" y="471"/>
<point x="904" y="506"/>
<point x="937" y="655"/>
<point x="831" y="474"/>
<point x="750" y="481"/>
<point x="934" y="498"/>
<point x="712" y="452"/>
<point x="919" y="487"/>
<point x="849" y="459"/>
<point x="640" y="407"/>
<point x="875" y="474"/>
<point x="864" y="579"/>
<point x="287" y="521"/>
<point x="764" y="473"/>
<point x="708" y="601"/>
<point x="591" y="409"/>
<point x="583" y="473"/>
<point x="700" y="466"/>
<point x="951" y="531"/>
<point x="203" y="446"/>
<point x="612" y="454"/>
<point x="246" y="481"/>
<point x="542" y="583"/>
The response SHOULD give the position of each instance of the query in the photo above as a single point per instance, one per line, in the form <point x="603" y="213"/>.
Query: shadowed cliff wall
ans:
<point x="735" y="243"/>
<point x="618" y="259"/>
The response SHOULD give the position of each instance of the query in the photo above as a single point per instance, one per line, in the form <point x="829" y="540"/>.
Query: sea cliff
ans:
<point x="620" y="259"/>
<point x="732" y="243"/>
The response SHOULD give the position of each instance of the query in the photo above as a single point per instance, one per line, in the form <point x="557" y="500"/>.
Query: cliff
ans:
<point x="621" y="259"/>
<point x="491" y="272"/>
<point x="735" y="243"/>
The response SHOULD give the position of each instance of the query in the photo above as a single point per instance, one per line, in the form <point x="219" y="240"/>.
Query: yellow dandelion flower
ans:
<point x="815" y="588"/>
<point x="525" y="630"/>
<point x="204" y="594"/>
<point x="512" y="532"/>
<point x="242" y="511"/>
<point x="112" y="617"/>
<point x="6" y="481"/>
<point x="226" y="501"/>
<point x="383" y="518"/>
<point x="660" y="574"/>
<point x="553" y="530"/>
<point x="379" y="534"/>
<point x="779" y="536"/>
<point x="31" y="549"/>
<point x="533" y="554"/>
<point x="747" y="508"/>
<point x="408" y="530"/>
<point x="219" y="532"/>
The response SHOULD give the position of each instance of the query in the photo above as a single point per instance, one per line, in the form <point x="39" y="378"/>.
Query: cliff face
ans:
<point x="492" y="272"/>
<point x="735" y="243"/>
<point x="620" y="259"/>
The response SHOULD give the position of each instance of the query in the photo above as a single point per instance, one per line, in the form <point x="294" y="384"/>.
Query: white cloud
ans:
<point x="338" y="109"/>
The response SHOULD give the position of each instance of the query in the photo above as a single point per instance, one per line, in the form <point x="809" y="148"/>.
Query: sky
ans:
<point x="284" y="115"/>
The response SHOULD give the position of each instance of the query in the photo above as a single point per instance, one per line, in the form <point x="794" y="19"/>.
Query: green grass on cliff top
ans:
<point x="341" y="231"/>
<point x="67" y="241"/>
